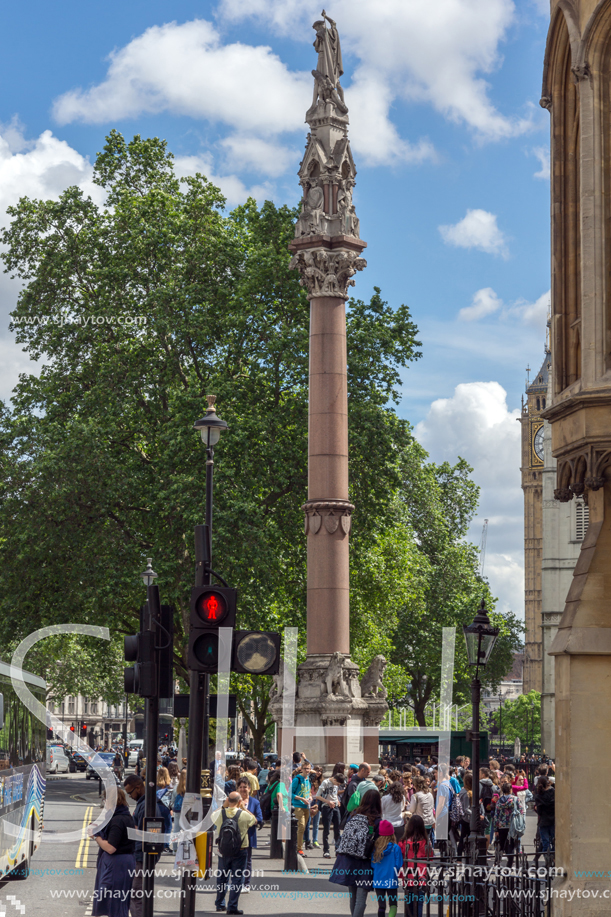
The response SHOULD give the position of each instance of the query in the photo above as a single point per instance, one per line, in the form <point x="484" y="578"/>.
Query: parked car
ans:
<point x="106" y="756"/>
<point x="77" y="762"/>
<point x="57" y="760"/>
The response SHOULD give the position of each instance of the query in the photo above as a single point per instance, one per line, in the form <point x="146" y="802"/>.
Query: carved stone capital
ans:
<point x="328" y="515"/>
<point x="594" y="483"/>
<point x="327" y="273"/>
<point x="582" y="470"/>
<point x="581" y="72"/>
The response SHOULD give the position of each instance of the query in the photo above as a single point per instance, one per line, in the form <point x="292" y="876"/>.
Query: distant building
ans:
<point x="510" y="687"/>
<point x="95" y="721"/>
<point x="553" y="532"/>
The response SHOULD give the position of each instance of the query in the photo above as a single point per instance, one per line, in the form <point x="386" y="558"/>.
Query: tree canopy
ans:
<point x="139" y="308"/>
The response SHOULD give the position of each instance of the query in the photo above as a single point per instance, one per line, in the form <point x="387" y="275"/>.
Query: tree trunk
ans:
<point x="419" y="705"/>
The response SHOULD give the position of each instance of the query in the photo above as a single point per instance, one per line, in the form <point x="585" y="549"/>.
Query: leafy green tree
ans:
<point x="137" y="310"/>
<point x="439" y="503"/>
<point x="520" y="719"/>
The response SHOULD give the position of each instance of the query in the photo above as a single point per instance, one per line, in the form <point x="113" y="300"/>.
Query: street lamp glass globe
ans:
<point x="149" y="576"/>
<point x="480" y="637"/>
<point x="210" y="435"/>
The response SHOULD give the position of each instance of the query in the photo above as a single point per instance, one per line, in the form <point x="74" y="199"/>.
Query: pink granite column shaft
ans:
<point x="328" y="559"/>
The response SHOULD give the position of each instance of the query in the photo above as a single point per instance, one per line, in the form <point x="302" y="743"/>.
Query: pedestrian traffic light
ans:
<point x="255" y="652"/>
<point x="142" y="677"/>
<point x="212" y="607"/>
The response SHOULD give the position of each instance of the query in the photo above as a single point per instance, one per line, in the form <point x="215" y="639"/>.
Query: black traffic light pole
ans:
<point x="197" y="753"/>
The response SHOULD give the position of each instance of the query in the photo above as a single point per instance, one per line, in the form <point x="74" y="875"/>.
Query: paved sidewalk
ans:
<point x="276" y="893"/>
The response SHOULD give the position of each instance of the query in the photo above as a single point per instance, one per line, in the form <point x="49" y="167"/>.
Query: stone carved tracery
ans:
<point x="327" y="273"/>
<point x="582" y="472"/>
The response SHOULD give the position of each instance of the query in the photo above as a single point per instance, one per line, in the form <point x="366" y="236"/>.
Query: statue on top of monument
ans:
<point x="329" y="68"/>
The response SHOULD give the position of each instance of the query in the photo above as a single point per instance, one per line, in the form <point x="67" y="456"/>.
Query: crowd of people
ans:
<point x="383" y="826"/>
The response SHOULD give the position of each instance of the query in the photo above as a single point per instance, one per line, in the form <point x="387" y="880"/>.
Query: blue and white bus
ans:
<point x="22" y="775"/>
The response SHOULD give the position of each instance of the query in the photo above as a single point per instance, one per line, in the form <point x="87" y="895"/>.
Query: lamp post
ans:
<point x="210" y="427"/>
<point x="480" y="637"/>
<point x="151" y="726"/>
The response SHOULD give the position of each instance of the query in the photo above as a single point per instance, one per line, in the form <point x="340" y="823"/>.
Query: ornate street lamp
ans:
<point x="480" y="637"/>
<point x="149" y="576"/>
<point x="210" y="427"/>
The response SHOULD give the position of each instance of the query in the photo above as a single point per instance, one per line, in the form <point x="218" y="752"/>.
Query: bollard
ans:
<point x="275" y="844"/>
<point x="290" y="847"/>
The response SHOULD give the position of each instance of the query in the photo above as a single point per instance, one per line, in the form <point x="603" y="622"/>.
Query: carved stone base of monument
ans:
<point x="329" y="693"/>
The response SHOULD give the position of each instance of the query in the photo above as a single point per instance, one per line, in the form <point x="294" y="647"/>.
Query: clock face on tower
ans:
<point x="538" y="443"/>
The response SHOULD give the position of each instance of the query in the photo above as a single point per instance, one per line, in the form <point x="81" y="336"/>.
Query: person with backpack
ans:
<point x="328" y="797"/>
<point x="301" y="791"/>
<point x="545" y="807"/>
<point x="352" y="867"/>
<point x="503" y="814"/>
<point x="487" y="792"/>
<point x="163" y="792"/>
<point x="233" y="824"/>
<point x="415" y="847"/>
<point x="357" y="777"/>
<point x="249" y="804"/>
<point x="466" y="801"/>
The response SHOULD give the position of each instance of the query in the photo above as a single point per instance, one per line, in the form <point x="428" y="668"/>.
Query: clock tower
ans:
<point x="533" y="429"/>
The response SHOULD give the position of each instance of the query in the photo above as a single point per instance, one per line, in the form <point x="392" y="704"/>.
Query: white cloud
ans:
<point x="185" y="69"/>
<point x="232" y="187"/>
<point x="403" y="52"/>
<point x="477" y="424"/>
<point x="543" y="7"/>
<point x="532" y="313"/>
<point x="542" y="154"/>
<point x="485" y="302"/>
<point x="478" y="229"/>
<point x="245" y="151"/>
<point x="37" y="168"/>
<point x="436" y="54"/>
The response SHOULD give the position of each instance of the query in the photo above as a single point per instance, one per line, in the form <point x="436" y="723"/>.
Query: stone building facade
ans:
<point x="577" y="93"/>
<point x="553" y="532"/>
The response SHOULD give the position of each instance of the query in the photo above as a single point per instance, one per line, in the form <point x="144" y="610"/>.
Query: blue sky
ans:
<point x="451" y="149"/>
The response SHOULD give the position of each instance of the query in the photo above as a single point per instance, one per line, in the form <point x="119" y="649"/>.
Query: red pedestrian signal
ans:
<point x="212" y="607"/>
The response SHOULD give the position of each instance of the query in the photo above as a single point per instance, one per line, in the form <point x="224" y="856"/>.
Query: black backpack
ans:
<point x="230" y="837"/>
<point x="267" y="801"/>
<point x="486" y="798"/>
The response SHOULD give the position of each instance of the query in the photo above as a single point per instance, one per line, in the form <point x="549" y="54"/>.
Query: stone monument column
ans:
<point x="327" y="253"/>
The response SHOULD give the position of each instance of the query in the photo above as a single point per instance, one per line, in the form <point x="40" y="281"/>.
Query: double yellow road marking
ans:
<point x="85" y="844"/>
